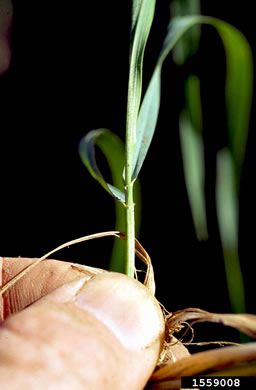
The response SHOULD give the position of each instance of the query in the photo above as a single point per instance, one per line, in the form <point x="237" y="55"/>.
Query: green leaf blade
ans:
<point x="148" y="114"/>
<point x="107" y="142"/>
<point x="142" y="18"/>
<point x="239" y="82"/>
<point x="239" y="78"/>
<point x="146" y="123"/>
<point x="193" y="163"/>
<point x="227" y="213"/>
<point x="113" y="149"/>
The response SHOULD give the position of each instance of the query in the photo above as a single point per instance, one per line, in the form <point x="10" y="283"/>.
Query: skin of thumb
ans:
<point x="105" y="333"/>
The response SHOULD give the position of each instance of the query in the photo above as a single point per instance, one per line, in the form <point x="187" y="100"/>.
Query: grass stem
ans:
<point x="131" y="119"/>
<point x="130" y="232"/>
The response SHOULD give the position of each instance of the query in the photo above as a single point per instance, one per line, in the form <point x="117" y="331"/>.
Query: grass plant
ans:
<point x="142" y="116"/>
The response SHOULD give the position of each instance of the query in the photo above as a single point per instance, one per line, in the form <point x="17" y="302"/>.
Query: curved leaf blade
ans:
<point x="107" y="141"/>
<point x="147" y="118"/>
<point x="113" y="149"/>
<point x="240" y="79"/>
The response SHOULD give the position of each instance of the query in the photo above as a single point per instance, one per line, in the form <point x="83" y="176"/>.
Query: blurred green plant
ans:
<point x="238" y="94"/>
<point x="183" y="35"/>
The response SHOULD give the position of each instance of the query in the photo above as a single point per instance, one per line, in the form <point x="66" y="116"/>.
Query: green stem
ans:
<point x="142" y="16"/>
<point x="132" y="112"/>
<point x="130" y="232"/>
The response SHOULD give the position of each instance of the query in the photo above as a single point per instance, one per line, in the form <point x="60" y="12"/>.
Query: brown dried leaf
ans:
<point x="149" y="281"/>
<point x="235" y="360"/>
<point x="67" y="244"/>
<point x="244" y="322"/>
<point x="243" y="369"/>
<point x="206" y="361"/>
<point x="140" y="251"/>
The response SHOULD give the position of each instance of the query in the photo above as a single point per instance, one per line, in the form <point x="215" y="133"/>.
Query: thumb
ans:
<point x="105" y="333"/>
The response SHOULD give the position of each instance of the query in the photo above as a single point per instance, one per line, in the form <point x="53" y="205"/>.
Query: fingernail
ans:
<point x="125" y="307"/>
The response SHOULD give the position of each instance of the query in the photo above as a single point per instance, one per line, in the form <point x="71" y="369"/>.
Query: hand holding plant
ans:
<point x="82" y="334"/>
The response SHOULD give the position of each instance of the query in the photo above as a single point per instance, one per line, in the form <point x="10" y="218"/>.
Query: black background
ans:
<point x="68" y="75"/>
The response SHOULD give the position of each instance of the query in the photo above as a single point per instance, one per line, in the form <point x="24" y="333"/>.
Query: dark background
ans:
<point x="68" y="75"/>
